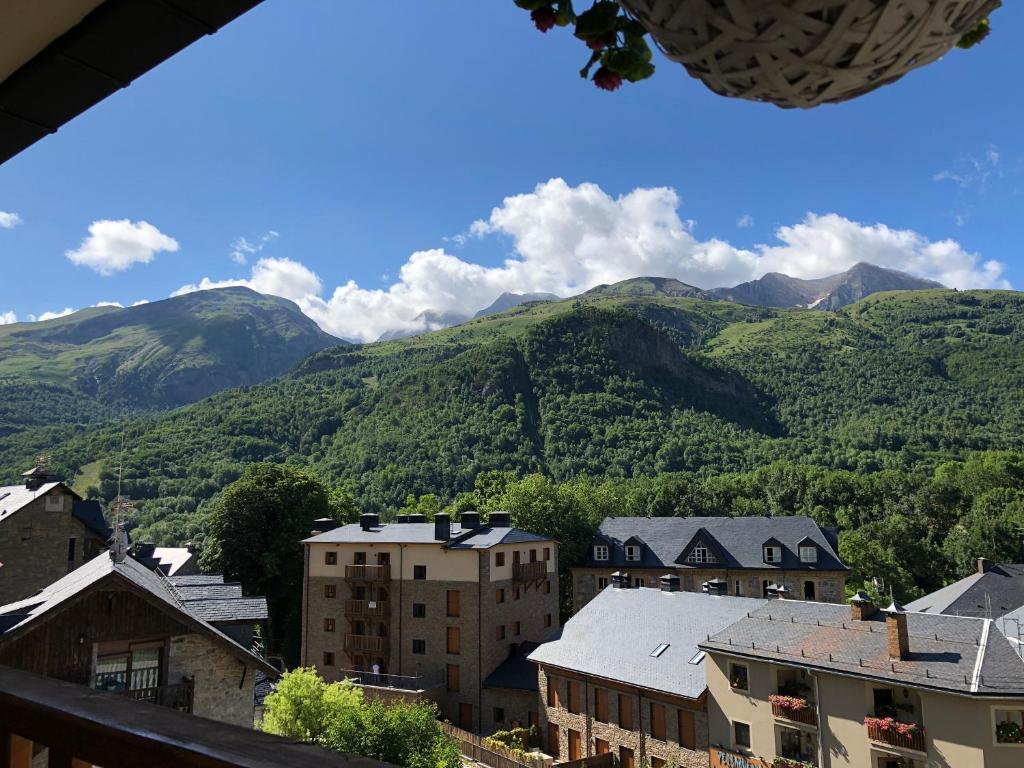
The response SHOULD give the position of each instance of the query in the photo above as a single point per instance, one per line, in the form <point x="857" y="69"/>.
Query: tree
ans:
<point x="254" y="535"/>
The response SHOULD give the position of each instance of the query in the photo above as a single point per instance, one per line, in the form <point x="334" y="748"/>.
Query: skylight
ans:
<point x="697" y="658"/>
<point x="659" y="650"/>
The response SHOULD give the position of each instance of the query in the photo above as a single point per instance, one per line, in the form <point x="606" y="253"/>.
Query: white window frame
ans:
<point x="775" y="551"/>
<point x="632" y="553"/>
<point x="995" y="721"/>
<point x="601" y="552"/>
<point x="808" y="553"/>
<point x="701" y="554"/>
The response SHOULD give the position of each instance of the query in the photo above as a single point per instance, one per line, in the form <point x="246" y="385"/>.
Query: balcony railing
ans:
<point x="366" y="644"/>
<point x="530" y="571"/>
<point x="400" y="682"/>
<point x="77" y="725"/>
<point x="367" y="608"/>
<point x="805" y="715"/>
<point x="914" y="740"/>
<point x="371" y="573"/>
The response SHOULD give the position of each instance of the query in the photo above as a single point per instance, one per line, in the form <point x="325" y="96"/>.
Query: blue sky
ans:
<point x="355" y="149"/>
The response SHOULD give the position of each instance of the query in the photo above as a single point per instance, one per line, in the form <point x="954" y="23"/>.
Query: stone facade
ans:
<point x="827" y="586"/>
<point x="36" y="540"/>
<point x="224" y="687"/>
<point x="647" y="750"/>
<point x="518" y="708"/>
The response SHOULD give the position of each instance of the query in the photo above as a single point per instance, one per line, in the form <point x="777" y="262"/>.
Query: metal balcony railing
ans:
<point x="370" y="573"/>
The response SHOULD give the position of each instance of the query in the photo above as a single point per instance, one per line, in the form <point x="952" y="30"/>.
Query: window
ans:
<point x="454" y="640"/>
<point x="553" y="740"/>
<point x="328" y="659"/>
<point x="764" y="588"/>
<point x="575" y="705"/>
<point x="741" y="735"/>
<point x="452" y="677"/>
<point x="738" y="679"/>
<point x="359" y="558"/>
<point x="499" y="632"/>
<point x="547" y="554"/>
<point x="625" y="712"/>
<point x="701" y="554"/>
<point x="515" y="593"/>
<point x="601" y="705"/>
<point x="419" y="572"/>
<point x="697" y="658"/>
<point x="547" y="587"/>
<point x="659" y="650"/>
<point x="454" y="596"/>
<point x="499" y="559"/>
<point x="1009" y="724"/>
<point x="601" y="552"/>
<point x="533" y="555"/>
<point x="602" y="582"/>
<point x="330" y="590"/>
<point x="330" y="558"/>
<point x="632" y="553"/>
<point x="547" y="620"/>
<point x="465" y="716"/>
<point x="55" y="502"/>
<point x="657" y="762"/>
<point x="657" y="721"/>
<point x="515" y="557"/>
<point x="328" y="625"/>
<point x="809" y="590"/>
<point x="419" y="647"/>
<point x="626" y="758"/>
<point x="796" y="745"/>
<point x="772" y="554"/>
<point x="808" y="553"/>
<point x="738" y="589"/>
<point x="499" y="596"/>
<point x="639" y="582"/>
<point x="601" y="747"/>
<point x="499" y="715"/>
<point x="575" y="745"/>
<point x="26" y="533"/>
<point x="71" y="549"/>
<point x="687" y="729"/>
<point x="553" y="700"/>
<point x="419" y="610"/>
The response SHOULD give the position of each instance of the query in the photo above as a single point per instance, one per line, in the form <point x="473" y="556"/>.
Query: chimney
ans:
<point x="717" y="586"/>
<point x="322" y="525"/>
<point x="669" y="583"/>
<point x="416" y="518"/>
<point x="442" y="526"/>
<point x="896" y="627"/>
<point x="620" y="580"/>
<point x="35" y="477"/>
<point x="781" y="591"/>
<point x="499" y="520"/>
<point x="402" y="519"/>
<point x="368" y="521"/>
<point x="861" y="607"/>
<point x="144" y="549"/>
<point x="773" y="591"/>
<point x="984" y="565"/>
<point x="470" y="520"/>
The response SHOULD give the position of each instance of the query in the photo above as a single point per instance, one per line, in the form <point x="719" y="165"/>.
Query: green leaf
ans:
<point x="598" y="21"/>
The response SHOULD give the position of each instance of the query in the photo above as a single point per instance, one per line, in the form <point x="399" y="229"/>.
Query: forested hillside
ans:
<point x="613" y="388"/>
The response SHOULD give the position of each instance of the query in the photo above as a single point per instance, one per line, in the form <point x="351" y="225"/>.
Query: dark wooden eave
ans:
<point x="113" y="45"/>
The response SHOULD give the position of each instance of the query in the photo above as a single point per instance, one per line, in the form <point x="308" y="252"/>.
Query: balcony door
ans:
<point x="136" y="669"/>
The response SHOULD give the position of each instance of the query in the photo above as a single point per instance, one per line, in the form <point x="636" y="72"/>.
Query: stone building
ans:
<point x="798" y="683"/>
<point x="115" y="625"/>
<point x="625" y="675"/>
<point x="747" y="555"/>
<point x="46" y="530"/>
<point x="429" y="608"/>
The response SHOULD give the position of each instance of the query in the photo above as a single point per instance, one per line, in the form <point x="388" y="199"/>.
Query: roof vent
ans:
<point x="368" y="521"/>
<point x="416" y="518"/>
<point x="620" y="580"/>
<point x="861" y="607"/>
<point x="669" y="583"/>
<point x="896" y="627"/>
<point x="499" y="520"/>
<point x="322" y="525"/>
<point x="442" y="527"/>
<point x="716" y="586"/>
<point x="984" y="565"/>
<point x="469" y="520"/>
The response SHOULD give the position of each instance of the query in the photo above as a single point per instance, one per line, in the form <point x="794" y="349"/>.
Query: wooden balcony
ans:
<point x="78" y="725"/>
<point x="366" y="644"/>
<point x="893" y="738"/>
<point x="373" y="574"/>
<point x="530" y="571"/>
<point x="807" y="716"/>
<point x="367" y="609"/>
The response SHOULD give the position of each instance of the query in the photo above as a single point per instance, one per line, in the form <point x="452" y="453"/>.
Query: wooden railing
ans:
<point x="368" y="608"/>
<point x="366" y="644"/>
<point x="77" y="724"/>
<point x="807" y="715"/>
<point x="473" y="747"/>
<point x="894" y="738"/>
<point x="530" y="571"/>
<point x="372" y="573"/>
<point x="607" y="760"/>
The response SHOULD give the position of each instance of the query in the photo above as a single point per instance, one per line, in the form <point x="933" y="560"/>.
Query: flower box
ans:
<point x="795" y="708"/>
<point x="889" y="730"/>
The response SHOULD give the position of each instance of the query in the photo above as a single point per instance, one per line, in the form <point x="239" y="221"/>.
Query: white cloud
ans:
<point x="9" y="220"/>
<point x="109" y="304"/>
<point x="114" y="246"/>
<point x="569" y="239"/>
<point x="51" y="315"/>
<point x="972" y="171"/>
<point x="140" y="302"/>
<point x="6" y="318"/>
<point x="242" y="249"/>
<point x="745" y="221"/>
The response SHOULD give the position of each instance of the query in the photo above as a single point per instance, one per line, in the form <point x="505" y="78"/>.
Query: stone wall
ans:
<point x="224" y="686"/>
<point x="639" y="738"/>
<point x="34" y="545"/>
<point x="517" y="706"/>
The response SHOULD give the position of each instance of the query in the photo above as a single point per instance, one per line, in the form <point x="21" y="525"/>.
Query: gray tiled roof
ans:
<point x="988" y="595"/>
<point x="483" y="537"/>
<point x="14" y="497"/>
<point x="614" y="634"/>
<point x="738" y="540"/>
<point x="90" y="514"/>
<point x="948" y="653"/>
<point x="208" y="596"/>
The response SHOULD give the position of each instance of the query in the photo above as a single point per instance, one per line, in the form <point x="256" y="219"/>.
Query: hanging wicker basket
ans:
<point x="802" y="53"/>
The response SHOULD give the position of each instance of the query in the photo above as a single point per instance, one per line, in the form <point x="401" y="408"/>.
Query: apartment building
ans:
<point x="431" y="607"/>
<point x="750" y="556"/>
<point x="798" y="683"/>
<point x="625" y="675"/>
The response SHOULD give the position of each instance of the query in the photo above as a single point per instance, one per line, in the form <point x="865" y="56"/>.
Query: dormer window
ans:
<point x="600" y="551"/>
<point x="808" y="553"/>
<point x="701" y="554"/>
<point x="632" y="553"/>
<point x="772" y="553"/>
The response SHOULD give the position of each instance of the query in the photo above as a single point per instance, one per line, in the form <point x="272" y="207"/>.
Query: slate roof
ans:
<point x="90" y="514"/>
<point x="738" y="541"/>
<point x="988" y="595"/>
<point x="954" y="654"/>
<point x="209" y="597"/>
<point x="517" y="671"/>
<point x="613" y="635"/>
<point x="14" y="497"/>
<point x="21" y="614"/>
<point x="483" y="537"/>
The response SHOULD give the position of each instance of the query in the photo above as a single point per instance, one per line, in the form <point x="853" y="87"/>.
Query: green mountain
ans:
<point x="101" y="362"/>
<point x="649" y="286"/>
<point x="605" y="387"/>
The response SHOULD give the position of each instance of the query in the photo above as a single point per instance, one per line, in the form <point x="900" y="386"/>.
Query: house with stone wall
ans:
<point x="742" y="556"/>
<point x="625" y="675"/>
